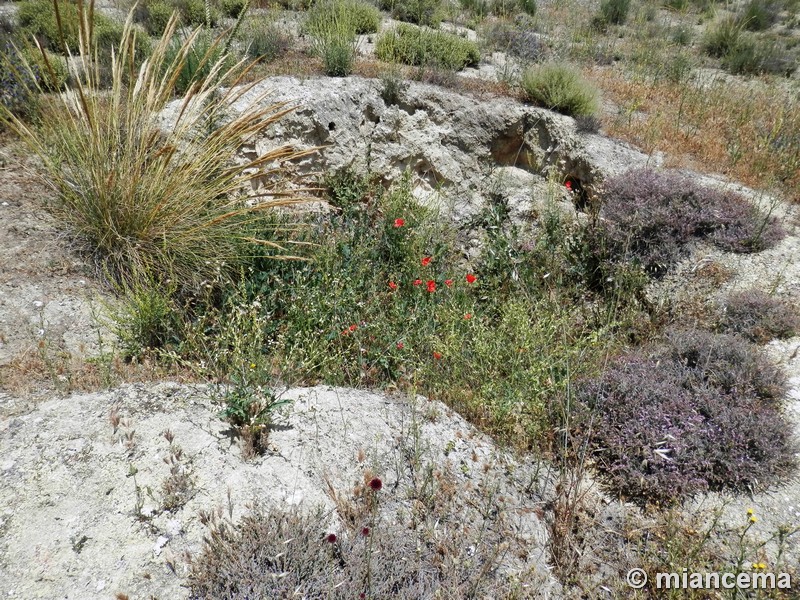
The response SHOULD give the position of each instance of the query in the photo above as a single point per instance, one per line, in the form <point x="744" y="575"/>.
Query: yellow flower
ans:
<point x="750" y="511"/>
<point x="252" y="365"/>
<point x="753" y="519"/>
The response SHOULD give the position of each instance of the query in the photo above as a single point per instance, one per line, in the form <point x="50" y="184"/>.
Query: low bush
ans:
<point x="155" y="16"/>
<point x="612" y="12"/>
<point x="264" y="39"/>
<point x="332" y="26"/>
<point x="420" y="12"/>
<point x="233" y="8"/>
<point x="518" y="39"/>
<point x="197" y="13"/>
<point x="418" y="46"/>
<point x="723" y="38"/>
<point x="699" y="412"/>
<point x="362" y="16"/>
<point x="650" y="217"/>
<point x="758" y="316"/>
<point x="37" y="18"/>
<point x="561" y="88"/>
<point x="758" y="15"/>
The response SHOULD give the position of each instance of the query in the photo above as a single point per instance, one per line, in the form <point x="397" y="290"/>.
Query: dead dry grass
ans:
<point x="746" y="130"/>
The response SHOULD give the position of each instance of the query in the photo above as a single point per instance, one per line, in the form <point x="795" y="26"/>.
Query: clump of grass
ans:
<point x="561" y="88"/>
<point x="333" y="29"/>
<point x="420" y="12"/>
<point x="412" y="45"/>
<point x="699" y="412"/>
<point x="363" y="17"/>
<point x="651" y="217"/>
<point x="233" y="8"/>
<point x="723" y="38"/>
<point x="758" y="316"/>
<point x="758" y="15"/>
<point x="518" y="39"/>
<point x="612" y="12"/>
<point x="264" y="39"/>
<point x="146" y="196"/>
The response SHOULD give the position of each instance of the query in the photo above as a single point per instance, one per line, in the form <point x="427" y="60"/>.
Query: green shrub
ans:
<point x="723" y="38"/>
<point x="758" y="15"/>
<point x="612" y="12"/>
<point x="421" y="12"/>
<point x="528" y="7"/>
<point x="232" y="8"/>
<point x="264" y="40"/>
<point x="156" y="17"/>
<point x="206" y="51"/>
<point x="148" y="198"/>
<point x="364" y="17"/>
<point x="52" y="69"/>
<point x="333" y="30"/>
<point x="37" y="18"/>
<point x="561" y="88"/>
<point x="418" y="46"/>
<point x="193" y="13"/>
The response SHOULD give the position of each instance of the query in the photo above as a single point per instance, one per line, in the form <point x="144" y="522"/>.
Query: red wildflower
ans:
<point x="431" y="286"/>
<point x="471" y="278"/>
<point x="365" y="531"/>
<point x="418" y="282"/>
<point x="353" y="327"/>
<point x="376" y="484"/>
<point x="426" y="261"/>
<point x="437" y="355"/>
<point x="400" y="345"/>
<point x="392" y="285"/>
<point x="448" y="282"/>
<point x="399" y="222"/>
<point x="467" y="316"/>
<point x="568" y="185"/>
<point x="331" y="538"/>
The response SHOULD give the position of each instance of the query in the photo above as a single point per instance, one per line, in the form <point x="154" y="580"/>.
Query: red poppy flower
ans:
<point x="365" y="531"/>
<point x="418" y="282"/>
<point x="353" y="327"/>
<point x="467" y="316"/>
<point x="376" y="484"/>
<point x="431" y="286"/>
<point x="568" y="185"/>
<point x="392" y="285"/>
<point x="399" y="222"/>
<point x="400" y="345"/>
<point x="437" y="355"/>
<point x="448" y="282"/>
<point x="426" y="261"/>
<point x="331" y="538"/>
<point x="471" y="278"/>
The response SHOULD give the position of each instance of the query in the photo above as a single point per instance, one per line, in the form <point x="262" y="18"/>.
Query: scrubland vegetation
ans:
<point x="549" y="344"/>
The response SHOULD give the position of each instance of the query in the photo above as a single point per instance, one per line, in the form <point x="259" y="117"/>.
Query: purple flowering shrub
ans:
<point x="758" y="316"/>
<point x="651" y="217"/>
<point x="698" y="412"/>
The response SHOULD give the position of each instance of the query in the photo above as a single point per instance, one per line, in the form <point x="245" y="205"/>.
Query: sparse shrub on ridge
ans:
<point x="651" y="217"/>
<point x="419" y="12"/>
<point x="362" y="16"/>
<point x="332" y="25"/>
<point x="418" y="46"/>
<point x="758" y="15"/>
<point x="699" y="412"/>
<point x="560" y="87"/>
<point x="758" y="316"/>
<point x="612" y="12"/>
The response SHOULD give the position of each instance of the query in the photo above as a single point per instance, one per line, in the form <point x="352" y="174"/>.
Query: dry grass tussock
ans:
<point x="143" y="194"/>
